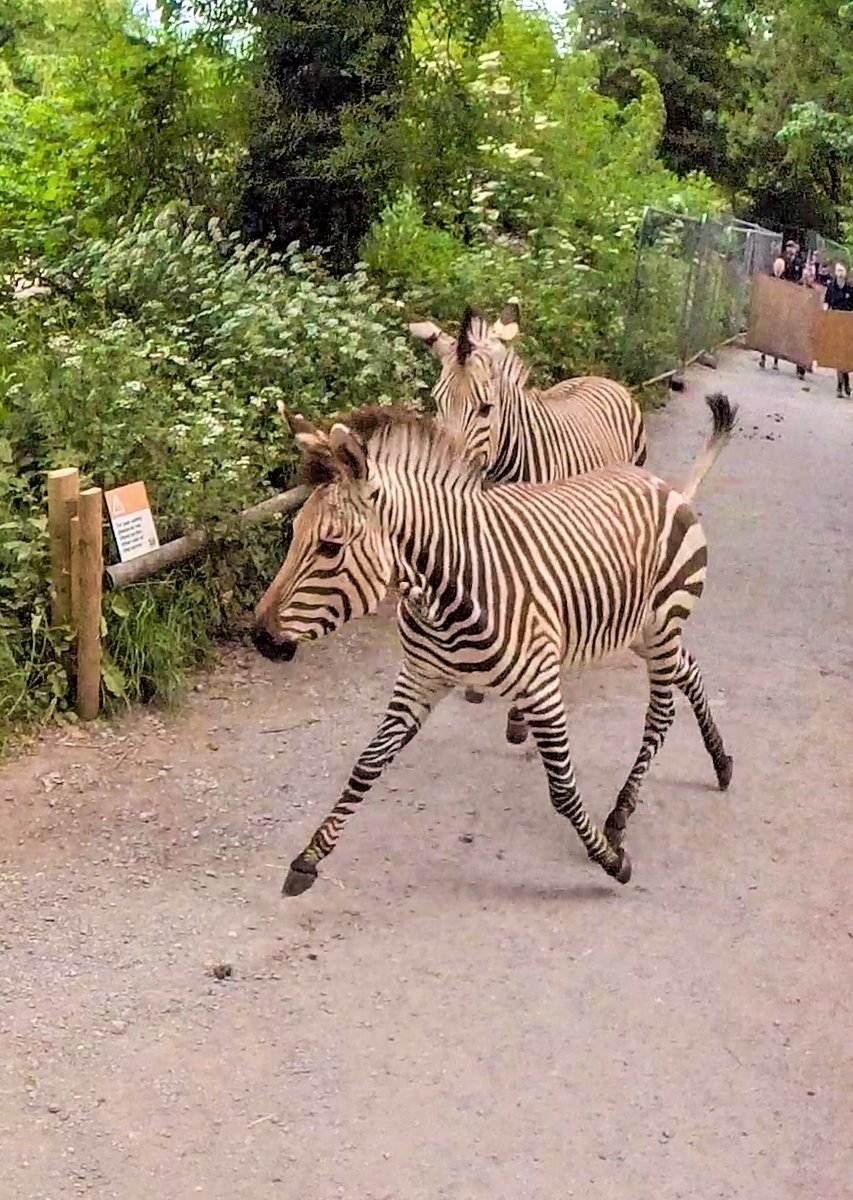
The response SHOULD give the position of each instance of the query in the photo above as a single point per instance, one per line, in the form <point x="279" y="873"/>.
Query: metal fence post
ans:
<point x="633" y="292"/>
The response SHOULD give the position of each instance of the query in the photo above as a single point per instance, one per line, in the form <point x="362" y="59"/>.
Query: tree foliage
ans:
<point x="325" y="147"/>
<point x="759" y="97"/>
<point x="102" y="117"/>
<point x="687" y="45"/>
<point x="790" y="141"/>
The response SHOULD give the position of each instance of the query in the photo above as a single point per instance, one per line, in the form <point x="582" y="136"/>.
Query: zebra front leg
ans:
<point x="688" y="679"/>
<point x="411" y="702"/>
<point x="659" y="716"/>
<point x="546" y="719"/>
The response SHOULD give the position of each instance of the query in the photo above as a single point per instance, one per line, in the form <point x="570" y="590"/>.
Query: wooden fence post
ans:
<point x="87" y="545"/>
<point x="62" y="487"/>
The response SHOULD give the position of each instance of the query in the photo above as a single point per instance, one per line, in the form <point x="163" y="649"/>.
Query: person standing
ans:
<point x="839" y="298"/>
<point x="778" y="272"/>
<point x="809" y="280"/>
<point x="795" y="261"/>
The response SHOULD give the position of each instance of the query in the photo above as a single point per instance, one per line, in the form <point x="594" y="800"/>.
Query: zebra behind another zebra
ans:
<point x="503" y="584"/>
<point x="521" y="434"/>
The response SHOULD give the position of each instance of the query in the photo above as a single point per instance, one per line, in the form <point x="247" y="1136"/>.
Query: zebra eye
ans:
<point x="329" y="549"/>
<point x="485" y="409"/>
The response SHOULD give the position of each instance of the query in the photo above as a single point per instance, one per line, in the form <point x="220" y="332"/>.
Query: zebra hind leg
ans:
<point x="516" y="727"/>
<point x="659" y="716"/>
<point x="411" y="701"/>
<point x="546" y="719"/>
<point x="688" y="680"/>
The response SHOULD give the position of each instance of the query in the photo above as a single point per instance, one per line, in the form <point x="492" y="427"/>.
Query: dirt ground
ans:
<point x="463" y="1007"/>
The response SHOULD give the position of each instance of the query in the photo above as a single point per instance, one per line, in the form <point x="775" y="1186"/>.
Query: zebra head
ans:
<point x="339" y="563"/>
<point x="473" y="376"/>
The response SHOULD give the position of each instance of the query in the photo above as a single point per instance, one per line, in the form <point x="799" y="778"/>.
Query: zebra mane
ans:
<point x="474" y="328"/>
<point x="389" y="432"/>
<point x="477" y="330"/>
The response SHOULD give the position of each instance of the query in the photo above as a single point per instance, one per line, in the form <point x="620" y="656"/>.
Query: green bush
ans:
<point x="162" y="355"/>
<point x="543" y="184"/>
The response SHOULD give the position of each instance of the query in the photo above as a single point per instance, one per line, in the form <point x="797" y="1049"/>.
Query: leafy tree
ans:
<point x="102" y="117"/>
<point x="322" y="150"/>
<point x="326" y="142"/>
<point x="687" y="46"/>
<point x="791" y="142"/>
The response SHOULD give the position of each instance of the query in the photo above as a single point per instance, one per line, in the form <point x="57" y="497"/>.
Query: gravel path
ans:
<point x="463" y="1007"/>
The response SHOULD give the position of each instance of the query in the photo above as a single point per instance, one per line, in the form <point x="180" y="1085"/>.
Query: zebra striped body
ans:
<point x="521" y="434"/>
<point x="566" y="572"/>
<point x="576" y="426"/>
<point x="502" y="585"/>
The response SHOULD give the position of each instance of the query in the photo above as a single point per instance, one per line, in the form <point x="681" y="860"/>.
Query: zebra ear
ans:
<point x="348" y="451"/>
<point x="506" y="326"/>
<point x="439" y="342"/>
<point x="310" y="438"/>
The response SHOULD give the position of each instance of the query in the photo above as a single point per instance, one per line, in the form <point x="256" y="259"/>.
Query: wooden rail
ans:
<point x="124" y="574"/>
<point x="78" y="575"/>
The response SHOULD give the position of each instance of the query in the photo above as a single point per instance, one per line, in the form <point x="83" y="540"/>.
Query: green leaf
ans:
<point x="113" y="679"/>
<point x="119" y="606"/>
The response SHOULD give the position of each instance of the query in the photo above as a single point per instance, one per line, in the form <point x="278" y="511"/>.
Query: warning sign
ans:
<point x="133" y="524"/>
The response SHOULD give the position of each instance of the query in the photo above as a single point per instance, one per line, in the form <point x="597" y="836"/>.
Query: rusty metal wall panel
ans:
<point x="835" y="341"/>
<point x="783" y="319"/>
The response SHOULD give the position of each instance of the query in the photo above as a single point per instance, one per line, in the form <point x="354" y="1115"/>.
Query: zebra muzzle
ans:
<point x="265" y="644"/>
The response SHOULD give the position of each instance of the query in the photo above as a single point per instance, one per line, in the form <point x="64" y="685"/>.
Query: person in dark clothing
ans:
<point x="839" y="298"/>
<point x="778" y="272"/>
<point x="795" y="260"/>
<point x="809" y="281"/>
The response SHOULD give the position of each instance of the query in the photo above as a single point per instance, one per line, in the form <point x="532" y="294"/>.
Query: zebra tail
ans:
<point x="724" y="414"/>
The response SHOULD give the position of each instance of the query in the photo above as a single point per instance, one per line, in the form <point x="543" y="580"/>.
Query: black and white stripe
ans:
<point x="503" y="585"/>
<point x="522" y="434"/>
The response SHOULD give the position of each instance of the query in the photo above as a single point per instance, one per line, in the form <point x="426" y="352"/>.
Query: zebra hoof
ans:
<point x="724" y="771"/>
<point x="473" y="696"/>
<point x="516" y="732"/>
<point x="622" y="867"/>
<point x="300" y="878"/>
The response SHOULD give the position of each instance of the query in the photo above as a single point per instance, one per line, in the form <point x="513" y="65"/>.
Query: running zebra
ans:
<point x="521" y="434"/>
<point x="501" y="585"/>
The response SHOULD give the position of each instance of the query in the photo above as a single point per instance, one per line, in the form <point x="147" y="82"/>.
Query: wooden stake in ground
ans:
<point x="62" y="487"/>
<point x="87" y="538"/>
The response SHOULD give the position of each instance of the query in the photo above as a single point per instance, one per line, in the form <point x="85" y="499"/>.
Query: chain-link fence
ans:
<point x="690" y="288"/>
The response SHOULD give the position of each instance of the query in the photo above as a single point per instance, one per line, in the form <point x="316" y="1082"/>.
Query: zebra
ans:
<point x="501" y="585"/>
<point x="521" y="434"/>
